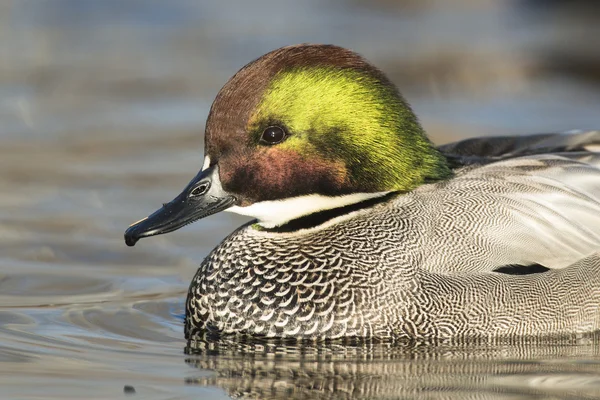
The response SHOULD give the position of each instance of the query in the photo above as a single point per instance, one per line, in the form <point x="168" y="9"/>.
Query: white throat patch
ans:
<point x="277" y="212"/>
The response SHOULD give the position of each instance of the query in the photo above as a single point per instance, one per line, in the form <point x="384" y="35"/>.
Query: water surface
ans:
<point x="102" y="106"/>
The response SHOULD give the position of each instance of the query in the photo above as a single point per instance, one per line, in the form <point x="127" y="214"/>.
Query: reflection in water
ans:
<point x="503" y="369"/>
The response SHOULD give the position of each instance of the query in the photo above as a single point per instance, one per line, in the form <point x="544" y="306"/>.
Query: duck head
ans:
<point x="300" y="130"/>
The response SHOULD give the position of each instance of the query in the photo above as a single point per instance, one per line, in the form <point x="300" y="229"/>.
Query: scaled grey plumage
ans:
<point x="421" y="265"/>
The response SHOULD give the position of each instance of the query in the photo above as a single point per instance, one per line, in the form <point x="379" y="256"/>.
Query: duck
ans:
<point x="363" y="228"/>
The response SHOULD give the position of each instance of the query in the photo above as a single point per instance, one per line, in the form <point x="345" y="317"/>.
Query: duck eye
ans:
<point x="272" y="135"/>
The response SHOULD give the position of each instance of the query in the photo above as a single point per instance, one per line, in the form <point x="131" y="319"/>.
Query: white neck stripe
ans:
<point x="277" y="212"/>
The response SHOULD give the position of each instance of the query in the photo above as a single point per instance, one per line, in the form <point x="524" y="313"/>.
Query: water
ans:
<point x="102" y="107"/>
<point x="500" y="371"/>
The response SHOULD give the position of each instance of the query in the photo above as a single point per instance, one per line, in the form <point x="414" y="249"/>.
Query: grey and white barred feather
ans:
<point x="422" y="265"/>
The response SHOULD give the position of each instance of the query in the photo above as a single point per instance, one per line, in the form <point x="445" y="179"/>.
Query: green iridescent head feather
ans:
<point x="350" y="116"/>
<point x="349" y="130"/>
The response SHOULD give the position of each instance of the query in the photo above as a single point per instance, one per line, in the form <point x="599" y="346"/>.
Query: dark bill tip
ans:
<point x="130" y="240"/>
<point x="169" y="217"/>
<point x="131" y="235"/>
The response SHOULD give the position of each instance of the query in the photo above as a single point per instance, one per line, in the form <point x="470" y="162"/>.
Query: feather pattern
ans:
<point x="422" y="264"/>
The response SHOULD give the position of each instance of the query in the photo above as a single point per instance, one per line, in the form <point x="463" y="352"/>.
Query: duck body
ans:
<point x="364" y="229"/>
<point x="426" y="264"/>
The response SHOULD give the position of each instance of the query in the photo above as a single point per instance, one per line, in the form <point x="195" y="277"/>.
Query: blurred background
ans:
<point x="102" y="109"/>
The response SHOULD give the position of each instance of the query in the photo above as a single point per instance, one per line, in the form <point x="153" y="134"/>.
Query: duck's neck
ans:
<point x="311" y="209"/>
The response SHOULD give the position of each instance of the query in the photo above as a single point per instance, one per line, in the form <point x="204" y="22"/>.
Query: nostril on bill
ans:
<point x="200" y="189"/>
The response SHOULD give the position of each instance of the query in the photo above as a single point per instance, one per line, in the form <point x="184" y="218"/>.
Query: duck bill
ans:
<point x="202" y="197"/>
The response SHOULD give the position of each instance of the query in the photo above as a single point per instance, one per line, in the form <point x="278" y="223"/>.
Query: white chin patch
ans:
<point x="277" y="212"/>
